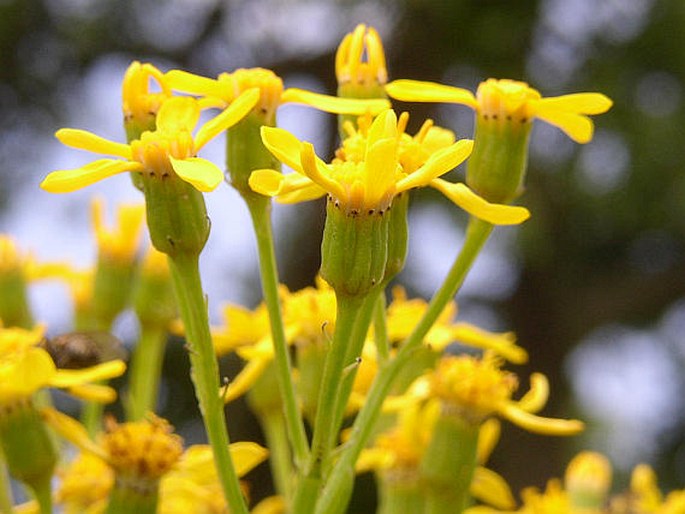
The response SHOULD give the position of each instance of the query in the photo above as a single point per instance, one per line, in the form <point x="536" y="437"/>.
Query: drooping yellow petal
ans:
<point x="576" y="126"/>
<point x="273" y="183"/>
<point x="497" y="214"/>
<point x="581" y="103"/>
<point x="488" y="437"/>
<point x="270" y="505"/>
<point x="311" y="191"/>
<point x="75" y="377"/>
<point x="489" y="487"/>
<point x="422" y="91"/>
<point x="200" y="173"/>
<point x="29" y="373"/>
<point x="194" y="84"/>
<point x="94" y="393"/>
<point x="284" y="146"/>
<point x="317" y="171"/>
<point x="539" y="424"/>
<point x="536" y="397"/>
<point x="72" y="431"/>
<point x="242" y="383"/>
<point x="179" y="113"/>
<point x="235" y="112"/>
<point x="503" y="344"/>
<point x="84" y="140"/>
<point x="437" y="165"/>
<point x="246" y="456"/>
<point x="335" y="104"/>
<point x="66" y="181"/>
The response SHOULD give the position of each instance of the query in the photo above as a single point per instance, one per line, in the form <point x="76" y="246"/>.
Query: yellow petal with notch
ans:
<point x="200" y="173"/>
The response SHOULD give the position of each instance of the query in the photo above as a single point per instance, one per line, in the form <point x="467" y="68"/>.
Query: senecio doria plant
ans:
<point x="416" y="410"/>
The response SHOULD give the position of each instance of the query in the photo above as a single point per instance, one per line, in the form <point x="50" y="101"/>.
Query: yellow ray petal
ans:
<point x="94" y="393"/>
<point x="72" y="431"/>
<point x="194" y="84"/>
<point x="489" y="487"/>
<point x="488" y="437"/>
<point x="178" y="114"/>
<point x="235" y="112"/>
<point x="335" y="104"/>
<point x="381" y="169"/>
<point x="437" y="164"/>
<point x="422" y="91"/>
<point x="246" y="456"/>
<point x="65" y="181"/>
<point x="245" y="379"/>
<point x="536" y="397"/>
<point x="84" y="140"/>
<point x="270" y="505"/>
<point x="497" y="214"/>
<point x="503" y="344"/>
<point x="200" y="173"/>
<point x="538" y="424"/>
<point x="267" y="182"/>
<point x="316" y="170"/>
<point x="581" y="103"/>
<point x="576" y="126"/>
<point x="304" y="194"/>
<point x="33" y="371"/>
<point x="74" y="377"/>
<point x="284" y="146"/>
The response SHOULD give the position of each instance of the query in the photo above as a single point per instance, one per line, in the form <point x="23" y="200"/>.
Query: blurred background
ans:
<point x="593" y="283"/>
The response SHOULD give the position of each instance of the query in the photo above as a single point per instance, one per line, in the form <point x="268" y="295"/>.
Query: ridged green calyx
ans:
<point x="354" y="250"/>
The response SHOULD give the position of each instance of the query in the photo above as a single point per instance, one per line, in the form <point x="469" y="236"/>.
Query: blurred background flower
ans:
<point x="593" y="283"/>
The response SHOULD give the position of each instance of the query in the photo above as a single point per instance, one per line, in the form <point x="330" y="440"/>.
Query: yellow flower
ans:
<point x="167" y="151"/>
<point x="475" y="388"/>
<point x="119" y="243"/>
<point x="351" y="69"/>
<point x="358" y="185"/>
<point x="222" y="91"/>
<point x="646" y="498"/>
<point x="85" y="484"/>
<point x="510" y="101"/>
<point x="25" y="368"/>
<point x="140" y="105"/>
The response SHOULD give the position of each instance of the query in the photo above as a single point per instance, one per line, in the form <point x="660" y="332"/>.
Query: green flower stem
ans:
<point x="205" y="371"/>
<point x="325" y="421"/>
<point x="380" y="329"/>
<point x="91" y="417"/>
<point x="399" y="497"/>
<point x="273" y="424"/>
<point x="6" y="499"/>
<point x="43" y="493"/>
<point x="124" y="500"/>
<point x="476" y="235"/>
<point x="260" y="210"/>
<point x="448" y="464"/>
<point x="146" y="370"/>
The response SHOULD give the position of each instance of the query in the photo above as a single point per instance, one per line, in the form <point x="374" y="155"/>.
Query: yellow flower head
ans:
<point x="367" y="179"/>
<point x="588" y="480"/>
<point x="26" y="367"/>
<point x="554" y="500"/>
<point x="84" y="485"/>
<point x="476" y="388"/>
<point x="140" y="104"/>
<point x="350" y="66"/>
<point x="510" y="102"/>
<point x="222" y="91"/>
<point x="11" y="258"/>
<point x="193" y="485"/>
<point x="404" y="314"/>
<point x="170" y="150"/>
<point x="119" y="243"/>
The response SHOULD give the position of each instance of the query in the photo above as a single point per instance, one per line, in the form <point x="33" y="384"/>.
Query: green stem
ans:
<point x="43" y="493"/>
<point x="380" y="330"/>
<point x="274" y="428"/>
<point x="476" y="235"/>
<point x="260" y="210"/>
<point x="325" y="422"/>
<point x="146" y="370"/>
<point x="6" y="499"/>
<point x="126" y="499"/>
<point x="91" y="417"/>
<point x="205" y="372"/>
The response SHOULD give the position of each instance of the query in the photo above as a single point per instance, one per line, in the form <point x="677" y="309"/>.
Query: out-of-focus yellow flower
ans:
<point x="646" y="498"/>
<point x="475" y="388"/>
<point x="510" y="101"/>
<point x="222" y="91"/>
<point x="119" y="242"/>
<point x="139" y="103"/>
<point x="84" y="485"/>
<point x="25" y="368"/>
<point x="350" y="66"/>
<point x="169" y="150"/>
<point x="588" y="481"/>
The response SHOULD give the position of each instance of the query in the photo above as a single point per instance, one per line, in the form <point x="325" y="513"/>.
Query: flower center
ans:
<point x="154" y="148"/>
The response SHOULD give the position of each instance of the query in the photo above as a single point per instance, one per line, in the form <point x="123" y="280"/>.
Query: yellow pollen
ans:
<point x="270" y="86"/>
<point x="505" y="100"/>
<point x="154" y="148"/>
<point x="145" y="449"/>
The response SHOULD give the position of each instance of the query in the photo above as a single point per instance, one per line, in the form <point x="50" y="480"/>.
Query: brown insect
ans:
<point x="77" y="350"/>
